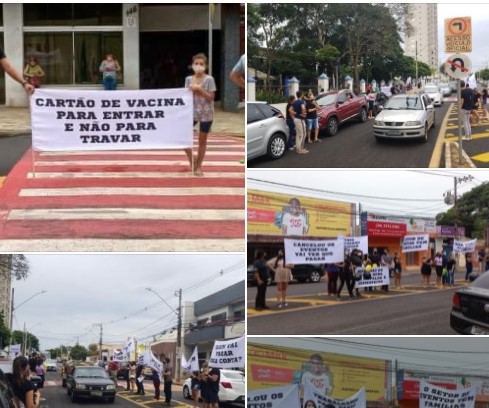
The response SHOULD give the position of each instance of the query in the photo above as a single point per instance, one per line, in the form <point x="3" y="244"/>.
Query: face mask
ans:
<point x="198" y="69"/>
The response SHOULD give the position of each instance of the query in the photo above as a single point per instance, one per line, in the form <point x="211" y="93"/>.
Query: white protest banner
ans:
<point x="360" y="243"/>
<point x="311" y="393"/>
<point x="464" y="246"/>
<point x="151" y="361"/>
<point x="78" y="120"/>
<point x="118" y="355"/>
<point x="277" y="397"/>
<point x="378" y="276"/>
<point x="14" y="350"/>
<point x="311" y="252"/>
<point x="193" y="363"/>
<point x="415" y="243"/>
<point x="228" y="353"/>
<point x="129" y="347"/>
<point x="431" y="396"/>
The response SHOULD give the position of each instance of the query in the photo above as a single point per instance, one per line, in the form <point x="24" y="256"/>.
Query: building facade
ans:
<point x="421" y="42"/>
<point x="154" y="44"/>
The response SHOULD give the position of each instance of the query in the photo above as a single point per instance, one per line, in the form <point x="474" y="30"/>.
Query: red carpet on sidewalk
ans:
<point x="125" y="201"/>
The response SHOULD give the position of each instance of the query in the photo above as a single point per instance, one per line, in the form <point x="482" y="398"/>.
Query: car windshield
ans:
<point x="90" y="373"/>
<point x="404" y="103"/>
<point x="326" y="100"/>
<point x="431" y="89"/>
<point x="482" y="281"/>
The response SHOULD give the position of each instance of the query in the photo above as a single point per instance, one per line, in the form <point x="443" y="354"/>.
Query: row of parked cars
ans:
<point x="300" y="273"/>
<point x="398" y="116"/>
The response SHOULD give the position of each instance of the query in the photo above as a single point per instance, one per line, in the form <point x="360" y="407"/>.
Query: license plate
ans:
<point x="394" y="133"/>
<point x="97" y="393"/>
<point x="479" y="331"/>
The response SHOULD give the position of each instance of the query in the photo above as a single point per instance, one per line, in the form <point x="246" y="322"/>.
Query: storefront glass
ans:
<point x="72" y="14"/>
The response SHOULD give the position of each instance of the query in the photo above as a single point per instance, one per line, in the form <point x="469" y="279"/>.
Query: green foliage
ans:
<point x="471" y="212"/>
<point x="16" y="265"/>
<point x="270" y="97"/>
<point x="4" y="331"/>
<point x="79" y="353"/>
<point x="93" y="349"/>
<point x="484" y="74"/>
<point x="30" y="341"/>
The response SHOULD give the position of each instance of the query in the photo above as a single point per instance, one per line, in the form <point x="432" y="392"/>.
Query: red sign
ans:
<point x="258" y="215"/>
<point x="386" y="229"/>
<point x="271" y="374"/>
<point x="410" y="389"/>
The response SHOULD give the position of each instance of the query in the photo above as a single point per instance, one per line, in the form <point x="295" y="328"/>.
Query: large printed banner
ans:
<point x="360" y="243"/>
<point x="311" y="393"/>
<point x="228" y="353"/>
<point x="431" y="396"/>
<point x="335" y="375"/>
<point x="148" y="359"/>
<point x="277" y="397"/>
<point x="415" y="243"/>
<point x="193" y="363"/>
<point x="14" y="350"/>
<point x="65" y="120"/>
<point x="314" y="251"/>
<point x="372" y="277"/>
<point x="288" y="215"/>
<point x="464" y="246"/>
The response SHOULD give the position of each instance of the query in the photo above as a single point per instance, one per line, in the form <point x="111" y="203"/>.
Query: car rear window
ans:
<point x="482" y="281"/>
<point x="253" y="114"/>
<point x="269" y="111"/>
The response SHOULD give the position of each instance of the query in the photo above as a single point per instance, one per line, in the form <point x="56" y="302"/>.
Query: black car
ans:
<point x="7" y="398"/>
<point x="90" y="382"/>
<point x="470" y="308"/>
<point x="301" y="273"/>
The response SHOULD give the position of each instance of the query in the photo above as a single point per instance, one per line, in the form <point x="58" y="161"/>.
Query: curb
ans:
<point x="436" y="161"/>
<point x="448" y="157"/>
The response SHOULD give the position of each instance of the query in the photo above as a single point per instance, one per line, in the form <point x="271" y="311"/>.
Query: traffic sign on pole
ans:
<point x="458" y="66"/>
<point x="458" y="34"/>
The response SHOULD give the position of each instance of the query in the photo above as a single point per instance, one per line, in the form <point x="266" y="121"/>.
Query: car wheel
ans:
<point x="186" y="393"/>
<point x="332" y="126"/>
<point x="276" y="146"/>
<point x="73" y="397"/>
<point x="425" y="136"/>
<point x="315" y="276"/>
<point x="363" y="117"/>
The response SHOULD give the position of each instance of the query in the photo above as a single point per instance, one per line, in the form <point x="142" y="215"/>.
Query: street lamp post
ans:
<point x="179" y="328"/>
<point x="12" y="309"/>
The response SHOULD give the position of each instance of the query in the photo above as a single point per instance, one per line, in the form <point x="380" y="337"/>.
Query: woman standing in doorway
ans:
<point x="203" y="87"/>
<point x="109" y="69"/>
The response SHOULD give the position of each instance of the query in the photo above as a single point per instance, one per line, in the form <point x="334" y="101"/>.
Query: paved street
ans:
<point x="412" y="310"/>
<point x="355" y="146"/>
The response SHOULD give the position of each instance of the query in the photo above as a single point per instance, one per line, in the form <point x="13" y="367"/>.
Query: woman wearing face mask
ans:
<point x="204" y="87"/>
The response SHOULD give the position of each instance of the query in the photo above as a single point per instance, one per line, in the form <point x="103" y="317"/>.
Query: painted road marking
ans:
<point x="133" y="162"/>
<point x="453" y="138"/>
<point x="124" y="245"/>
<point x="483" y="157"/>
<point x="130" y="174"/>
<point x="125" y="214"/>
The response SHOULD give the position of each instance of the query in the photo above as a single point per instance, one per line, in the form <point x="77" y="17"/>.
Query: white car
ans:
<point x="405" y="117"/>
<point x="445" y="89"/>
<point x="434" y="93"/>
<point x="50" y="365"/>
<point x="231" y="387"/>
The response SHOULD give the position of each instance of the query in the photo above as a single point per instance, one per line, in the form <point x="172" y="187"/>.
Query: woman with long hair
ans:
<point x="23" y="388"/>
<point x="281" y="276"/>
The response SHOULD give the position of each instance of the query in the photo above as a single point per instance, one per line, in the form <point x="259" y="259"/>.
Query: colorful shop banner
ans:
<point x="228" y="353"/>
<point x="385" y="229"/>
<point x="334" y="375"/>
<point x="14" y="350"/>
<point x="450" y="231"/>
<point x="412" y="224"/>
<point x="415" y="243"/>
<point x="431" y="396"/>
<point x="78" y="120"/>
<point x="311" y="393"/>
<point x="288" y="215"/>
<point x="371" y="276"/>
<point x="277" y="397"/>
<point x="352" y="243"/>
<point x="464" y="246"/>
<point x="314" y="251"/>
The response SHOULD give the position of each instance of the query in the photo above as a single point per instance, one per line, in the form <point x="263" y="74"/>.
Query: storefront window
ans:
<point x="55" y="51"/>
<point x="60" y="14"/>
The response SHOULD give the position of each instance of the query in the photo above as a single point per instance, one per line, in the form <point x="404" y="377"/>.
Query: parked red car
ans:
<point x="339" y="107"/>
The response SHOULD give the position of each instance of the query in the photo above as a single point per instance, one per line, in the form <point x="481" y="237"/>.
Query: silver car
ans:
<point x="445" y="89"/>
<point x="405" y="117"/>
<point x="435" y="94"/>
<point x="267" y="132"/>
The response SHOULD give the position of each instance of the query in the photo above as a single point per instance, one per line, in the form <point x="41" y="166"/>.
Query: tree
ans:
<point x="79" y="353"/>
<point x="4" y="332"/>
<point x="17" y="265"/>
<point x="93" y="350"/>
<point x="471" y="212"/>
<point x="30" y="341"/>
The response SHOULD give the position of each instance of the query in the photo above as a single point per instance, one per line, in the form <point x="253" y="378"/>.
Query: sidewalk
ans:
<point x="149" y="392"/>
<point x="17" y="121"/>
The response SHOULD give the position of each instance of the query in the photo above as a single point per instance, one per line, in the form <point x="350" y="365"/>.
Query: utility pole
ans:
<point x="100" y="340"/>
<point x="179" y="335"/>
<point x="458" y="180"/>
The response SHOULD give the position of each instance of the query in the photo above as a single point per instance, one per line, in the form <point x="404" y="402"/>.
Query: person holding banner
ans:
<point x="346" y="276"/>
<point x="131" y="374"/>
<point x="397" y="270"/>
<point x="203" y="87"/>
<point x="438" y="269"/>
<point x="468" y="265"/>
<point x="140" y="379"/>
<point x="195" y="386"/>
<point x="214" y="379"/>
<point x="167" y="380"/>
<point x="14" y="74"/>
<point x="156" y="383"/>
<point x="451" y="270"/>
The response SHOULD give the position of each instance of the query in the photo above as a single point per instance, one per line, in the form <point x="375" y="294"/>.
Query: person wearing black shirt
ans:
<point x="213" y="387"/>
<point x="14" y="74"/>
<point x="262" y="274"/>
<point x="467" y="99"/>
<point x="22" y="387"/>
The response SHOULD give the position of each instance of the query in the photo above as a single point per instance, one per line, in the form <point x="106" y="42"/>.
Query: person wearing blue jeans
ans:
<point x="451" y="270"/>
<point x="109" y="69"/>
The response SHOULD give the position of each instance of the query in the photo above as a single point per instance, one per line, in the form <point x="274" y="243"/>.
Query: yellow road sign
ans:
<point x="458" y="34"/>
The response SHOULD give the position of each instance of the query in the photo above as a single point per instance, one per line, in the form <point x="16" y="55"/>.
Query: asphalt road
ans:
<point x="11" y="150"/>
<point x="413" y="311"/>
<point x="355" y="146"/>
